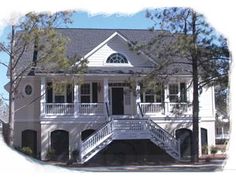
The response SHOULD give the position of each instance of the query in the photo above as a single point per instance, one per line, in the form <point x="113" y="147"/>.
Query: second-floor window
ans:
<point x="177" y="92"/>
<point x="59" y="93"/>
<point x="85" y="93"/>
<point x="151" y="96"/>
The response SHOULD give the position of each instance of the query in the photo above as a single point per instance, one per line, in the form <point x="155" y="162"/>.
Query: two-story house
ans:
<point x="89" y="115"/>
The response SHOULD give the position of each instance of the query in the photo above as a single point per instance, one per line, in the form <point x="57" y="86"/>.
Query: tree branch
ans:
<point x="4" y="49"/>
<point x="1" y="63"/>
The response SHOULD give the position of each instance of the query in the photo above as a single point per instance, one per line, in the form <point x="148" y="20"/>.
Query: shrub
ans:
<point x="27" y="150"/>
<point x="74" y="157"/>
<point x="50" y="154"/>
<point x="75" y="154"/>
<point x="214" y="150"/>
<point x="205" y="149"/>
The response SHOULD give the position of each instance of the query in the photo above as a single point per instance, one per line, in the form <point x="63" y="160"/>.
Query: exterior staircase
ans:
<point x="124" y="129"/>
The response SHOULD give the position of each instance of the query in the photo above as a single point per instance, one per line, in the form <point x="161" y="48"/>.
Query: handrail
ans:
<point x="140" y="109"/>
<point x="174" y="144"/>
<point x="94" y="135"/>
<point x="152" y="122"/>
<point x="107" y="110"/>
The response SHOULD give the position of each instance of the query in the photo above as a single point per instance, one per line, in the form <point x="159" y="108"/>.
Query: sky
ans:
<point x="84" y="20"/>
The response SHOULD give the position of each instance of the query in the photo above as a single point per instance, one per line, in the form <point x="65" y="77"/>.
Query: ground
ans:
<point x="202" y="166"/>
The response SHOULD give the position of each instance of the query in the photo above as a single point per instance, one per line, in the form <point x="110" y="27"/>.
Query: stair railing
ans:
<point x="165" y="137"/>
<point x="107" y="111"/>
<point x="140" y="110"/>
<point x="95" y="139"/>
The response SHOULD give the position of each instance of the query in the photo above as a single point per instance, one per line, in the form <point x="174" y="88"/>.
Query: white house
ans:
<point x="87" y="116"/>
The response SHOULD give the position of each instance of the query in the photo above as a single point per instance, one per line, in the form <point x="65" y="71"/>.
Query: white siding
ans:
<point x="117" y="45"/>
<point x="206" y="103"/>
<point x="27" y="107"/>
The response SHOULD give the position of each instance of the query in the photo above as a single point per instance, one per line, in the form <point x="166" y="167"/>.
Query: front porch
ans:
<point x="109" y="97"/>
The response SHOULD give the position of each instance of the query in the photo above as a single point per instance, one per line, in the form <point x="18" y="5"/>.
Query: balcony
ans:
<point x="165" y="109"/>
<point x="100" y="109"/>
<point x="67" y="109"/>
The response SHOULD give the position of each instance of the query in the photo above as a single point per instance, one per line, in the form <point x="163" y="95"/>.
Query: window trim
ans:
<point x="90" y="92"/>
<point x="179" y="92"/>
<point x="64" y="94"/>
<point x="162" y="95"/>
<point x="32" y="92"/>
<point x="118" y="63"/>
<point x="176" y="94"/>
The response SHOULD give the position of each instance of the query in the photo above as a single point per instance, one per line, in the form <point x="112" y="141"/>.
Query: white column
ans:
<point x="199" y="140"/>
<point x="43" y="96"/>
<point x="166" y="99"/>
<point x="138" y="97"/>
<point x="76" y="99"/>
<point x="105" y="94"/>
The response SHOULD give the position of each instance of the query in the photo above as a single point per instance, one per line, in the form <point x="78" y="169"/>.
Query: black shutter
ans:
<point x="94" y="92"/>
<point x="162" y="93"/>
<point x="183" y="92"/>
<point x="141" y="92"/>
<point x="69" y="93"/>
<point x="49" y="92"/>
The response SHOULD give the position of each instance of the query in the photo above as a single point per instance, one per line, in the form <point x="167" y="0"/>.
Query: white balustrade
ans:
<point x="152" y="107"/>
<point x="131" y="128"/>
<point x="95" y="139"/>
<point x="178" y="107"/>
<point x="59" y="108"/>
<point x="91" y="108"/>
<point x="163" y="135"/>
<point x="69" y="108"/>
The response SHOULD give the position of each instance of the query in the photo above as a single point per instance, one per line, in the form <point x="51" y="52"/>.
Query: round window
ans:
<point x="28" y="89"/>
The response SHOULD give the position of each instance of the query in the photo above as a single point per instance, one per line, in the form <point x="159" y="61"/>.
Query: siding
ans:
<point x="117" y="45"/>
<point x="206" y="103"/>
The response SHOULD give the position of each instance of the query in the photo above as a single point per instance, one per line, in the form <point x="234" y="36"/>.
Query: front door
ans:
<point x="117" y="101"/>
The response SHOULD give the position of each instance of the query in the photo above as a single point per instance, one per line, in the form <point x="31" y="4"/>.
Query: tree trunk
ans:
<point x="11" y="90"/>
<point x="195" y="134"/>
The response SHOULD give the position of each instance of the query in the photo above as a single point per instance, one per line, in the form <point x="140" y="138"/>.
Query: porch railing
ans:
<point x="69" y="108"/>
<point x="164" y="108"/>
<point x="178" y="107"/>
<point x="152" y="108"/>
<point x="91" y="108"/>
<point x="59" y="108"/>
<point x="103" y="108"/>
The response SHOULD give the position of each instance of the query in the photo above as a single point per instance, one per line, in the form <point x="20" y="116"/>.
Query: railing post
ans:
<point x="166" y="101"/>
<point x="138" y="98"/>
<point x="105" y="95"/>
<point x="76" y="99"/>
<point x="43" y="96"/>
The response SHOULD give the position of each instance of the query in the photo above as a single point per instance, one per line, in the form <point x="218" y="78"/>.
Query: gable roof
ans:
<point x="84" y="40"/>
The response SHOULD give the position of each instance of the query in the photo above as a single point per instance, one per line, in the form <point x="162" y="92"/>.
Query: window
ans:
<point x="116" y="58"/>
<point x="178" y="92"/>
<point x="28" y="90"/>
<point x="183" y="92"/>
<point x="173" y="92"/>
<point x="85" y="93"/>
<point x="59" y="93"/>
<point x="151" y="96"/>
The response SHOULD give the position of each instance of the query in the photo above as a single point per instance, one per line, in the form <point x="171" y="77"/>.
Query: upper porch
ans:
<point x="112" y="96"/>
